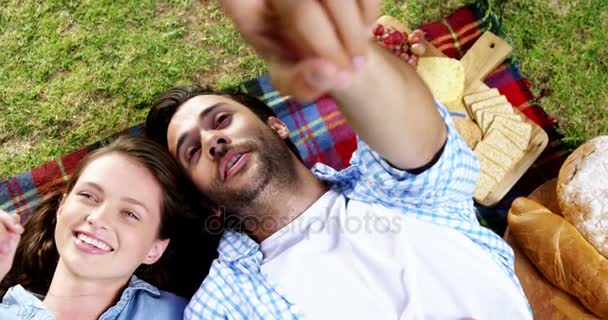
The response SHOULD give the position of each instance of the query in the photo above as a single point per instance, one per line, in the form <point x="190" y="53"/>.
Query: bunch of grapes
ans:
<point x="407" y="47"/>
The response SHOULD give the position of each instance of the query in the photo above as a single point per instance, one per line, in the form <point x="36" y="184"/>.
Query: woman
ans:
<point x="76" y="256"/>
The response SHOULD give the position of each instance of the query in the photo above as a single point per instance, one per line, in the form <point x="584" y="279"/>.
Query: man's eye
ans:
<point x="222" y="120"/>
<point x="191" y="153"/>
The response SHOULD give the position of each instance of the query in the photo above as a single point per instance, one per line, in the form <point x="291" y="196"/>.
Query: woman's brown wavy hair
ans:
<point x="37" y="257"/>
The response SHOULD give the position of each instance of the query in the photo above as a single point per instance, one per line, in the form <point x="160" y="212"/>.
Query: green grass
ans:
<point x="564" y="52"/>
<point x="73" y="72"/>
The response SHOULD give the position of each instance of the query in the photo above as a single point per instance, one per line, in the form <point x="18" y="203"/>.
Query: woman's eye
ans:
<point x="131" y="215"/>
<point x="87" y="196"/>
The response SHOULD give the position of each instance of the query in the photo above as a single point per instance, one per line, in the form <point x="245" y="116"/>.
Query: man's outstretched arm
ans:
<point x="393" y="111"/>
<point x="317" y="47"/>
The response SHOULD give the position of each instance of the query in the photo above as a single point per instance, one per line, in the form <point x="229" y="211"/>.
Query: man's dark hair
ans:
<point x="169" y="102"/>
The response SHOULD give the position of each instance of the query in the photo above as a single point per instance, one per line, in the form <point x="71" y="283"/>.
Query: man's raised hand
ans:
<point x="310" y="46"/>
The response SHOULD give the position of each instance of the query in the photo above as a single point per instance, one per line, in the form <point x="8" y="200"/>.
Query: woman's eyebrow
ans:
<point x="93" y="185"/>
<point x="135" y="202"/>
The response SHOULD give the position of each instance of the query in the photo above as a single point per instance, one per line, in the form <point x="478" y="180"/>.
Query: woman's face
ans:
<point x="108" y="224"/>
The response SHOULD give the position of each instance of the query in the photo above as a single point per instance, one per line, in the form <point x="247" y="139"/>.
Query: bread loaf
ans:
<point x="582" y="191"/>
<point x="563" y="256"/>
<point x="547" y="301"/>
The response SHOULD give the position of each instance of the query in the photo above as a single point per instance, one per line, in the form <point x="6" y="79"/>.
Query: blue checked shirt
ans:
<point x="237" y="289"/>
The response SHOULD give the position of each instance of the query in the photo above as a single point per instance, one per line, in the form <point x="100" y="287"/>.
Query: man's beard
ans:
<point x="275" y="170"/>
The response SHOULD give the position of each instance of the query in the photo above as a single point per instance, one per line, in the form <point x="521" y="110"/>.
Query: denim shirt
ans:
<point x="140" y="300"/>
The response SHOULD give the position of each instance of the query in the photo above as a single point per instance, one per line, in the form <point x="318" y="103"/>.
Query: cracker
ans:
<point x="491" y="168"/>
<point x="483" y="149"/>
<point x="485" y="184"/>
<point x="521" y="127"/>
<point x="498" y="140"/>
<point x="487" y="119"/>
<point x="498" y="108"/>
<point x="487" y="103"/>
<point x="522" y="141"/>
<point x="480" y="96"/>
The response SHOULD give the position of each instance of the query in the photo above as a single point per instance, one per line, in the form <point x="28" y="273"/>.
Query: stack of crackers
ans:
<point x="498" y="134"/>
<point x="506" y="138"/>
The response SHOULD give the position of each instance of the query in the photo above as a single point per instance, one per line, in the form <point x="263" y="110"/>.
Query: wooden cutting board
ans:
<point x="488" y="52"/>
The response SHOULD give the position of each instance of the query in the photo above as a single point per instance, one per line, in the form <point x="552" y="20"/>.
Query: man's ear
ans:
<point x="278" y="126"/>
<point x="157" y="250"/>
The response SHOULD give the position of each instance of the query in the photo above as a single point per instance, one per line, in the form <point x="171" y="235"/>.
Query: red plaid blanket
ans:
<point x="321" y="134"/>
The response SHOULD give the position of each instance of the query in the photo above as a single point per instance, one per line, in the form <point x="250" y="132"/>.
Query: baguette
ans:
<point x="547" y="301"/>
<point x="562" y="255"/>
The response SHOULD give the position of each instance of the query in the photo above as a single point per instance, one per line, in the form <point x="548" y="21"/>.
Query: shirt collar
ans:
<point x="136" y="284"/>
<point x="22" y="297"/>
<point x="235" y="246"/>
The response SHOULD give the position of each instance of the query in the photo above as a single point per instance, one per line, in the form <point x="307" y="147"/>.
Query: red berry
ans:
<point x="378" y="30"/>
<point x="398" y="37"/>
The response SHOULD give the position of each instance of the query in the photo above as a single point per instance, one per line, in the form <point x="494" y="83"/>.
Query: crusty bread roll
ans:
<point x="558" y="250"/>
<point x="582" y="191"/>
<point x="547" y="301"/>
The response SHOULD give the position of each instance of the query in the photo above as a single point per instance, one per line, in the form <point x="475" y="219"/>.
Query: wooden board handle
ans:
<point x="488" y="52"/>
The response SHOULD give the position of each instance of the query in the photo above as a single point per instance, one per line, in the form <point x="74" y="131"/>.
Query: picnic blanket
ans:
<point x="321" y="133"/>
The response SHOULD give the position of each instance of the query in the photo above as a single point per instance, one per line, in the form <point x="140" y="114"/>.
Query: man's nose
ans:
<point x="217" y="146"/>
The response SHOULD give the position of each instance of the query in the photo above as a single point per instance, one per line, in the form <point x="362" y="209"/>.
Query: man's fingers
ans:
<point x="308" y="79"/>
<point x="313" y="32"/>
<point x="370" y="10"/>
<point x="271" y="47"/>
<point x="255" y="20"/>
<point x="242" y="11"/>
<point x="349" y="25"/>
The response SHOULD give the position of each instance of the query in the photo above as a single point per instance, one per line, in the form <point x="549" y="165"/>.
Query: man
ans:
<point x="419" y="252"/>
